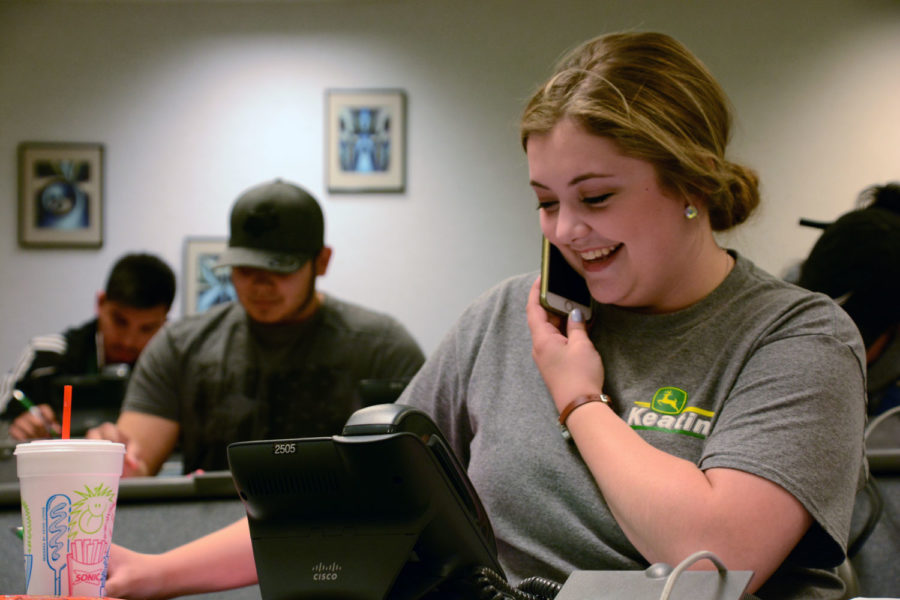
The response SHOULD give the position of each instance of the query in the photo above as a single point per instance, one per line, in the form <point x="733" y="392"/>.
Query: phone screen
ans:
<point x="561" y="282"/>
<point x="565" y="281"/>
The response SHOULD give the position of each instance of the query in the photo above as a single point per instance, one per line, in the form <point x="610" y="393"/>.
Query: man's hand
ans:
<point x="29" y="426"/>
<point x="133" y="465"/>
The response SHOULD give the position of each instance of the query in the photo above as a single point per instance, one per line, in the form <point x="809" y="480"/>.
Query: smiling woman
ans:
<point x="715" y="380"/>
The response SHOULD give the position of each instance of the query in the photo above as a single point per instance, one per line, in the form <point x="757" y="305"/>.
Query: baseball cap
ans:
<point x="856" y="261"/>
<point x="276" y="226"/>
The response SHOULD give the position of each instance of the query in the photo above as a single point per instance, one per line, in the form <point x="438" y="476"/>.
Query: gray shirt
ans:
<point x="225" y="378"/>
<point x="759" y="376"/>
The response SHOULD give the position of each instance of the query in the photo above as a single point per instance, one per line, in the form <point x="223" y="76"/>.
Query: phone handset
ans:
<point x="399" y="418"/>
<point x="563" y="289"/>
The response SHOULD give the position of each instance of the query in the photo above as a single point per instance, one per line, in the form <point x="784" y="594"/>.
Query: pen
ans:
<point x="34" y="410"/>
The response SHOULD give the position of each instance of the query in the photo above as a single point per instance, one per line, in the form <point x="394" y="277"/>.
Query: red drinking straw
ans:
<point x="67" y="411"/>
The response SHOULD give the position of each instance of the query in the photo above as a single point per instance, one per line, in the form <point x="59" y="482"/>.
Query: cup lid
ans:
<point x="77" y="445"/>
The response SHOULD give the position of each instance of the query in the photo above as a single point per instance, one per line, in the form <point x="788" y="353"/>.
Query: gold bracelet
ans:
<point x="571" y="406"/>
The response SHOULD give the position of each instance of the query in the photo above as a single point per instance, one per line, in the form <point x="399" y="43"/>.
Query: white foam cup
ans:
<point x="69" y="489"/>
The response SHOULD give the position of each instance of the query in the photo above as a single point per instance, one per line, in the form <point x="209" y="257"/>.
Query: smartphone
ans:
<point x="562" y="287"/>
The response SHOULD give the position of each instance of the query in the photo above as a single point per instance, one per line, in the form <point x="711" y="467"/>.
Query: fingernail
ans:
<point x="576" y="315"/>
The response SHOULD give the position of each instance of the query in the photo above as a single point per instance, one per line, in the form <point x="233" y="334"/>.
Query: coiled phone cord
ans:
<point x="492" y="586"/>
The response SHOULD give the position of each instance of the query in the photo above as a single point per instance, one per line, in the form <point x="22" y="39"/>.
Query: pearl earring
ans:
<point x="690" y="212"/>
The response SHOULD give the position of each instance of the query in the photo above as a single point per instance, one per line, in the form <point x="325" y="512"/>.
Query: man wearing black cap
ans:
<point x="285" y="360"/>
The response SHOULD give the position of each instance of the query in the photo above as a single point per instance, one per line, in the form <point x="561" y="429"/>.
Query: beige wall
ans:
<point x="195" y="101"/>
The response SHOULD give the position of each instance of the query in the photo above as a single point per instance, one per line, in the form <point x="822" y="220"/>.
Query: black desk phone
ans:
<point x="384" y="510"/>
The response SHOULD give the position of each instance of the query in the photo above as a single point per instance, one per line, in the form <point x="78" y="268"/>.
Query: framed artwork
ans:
<point x="365" y="140"/>
<point x="205" y="286"/>
<point x="60" y="195"/>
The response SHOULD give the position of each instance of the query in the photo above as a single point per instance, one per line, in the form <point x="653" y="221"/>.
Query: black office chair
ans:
<point x="875" y="535"/>
<point x="868" y="508"/>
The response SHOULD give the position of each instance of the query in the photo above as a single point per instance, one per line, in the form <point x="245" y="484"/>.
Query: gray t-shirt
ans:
<point x="225" y="378"/>
<point x="759" y="376"/>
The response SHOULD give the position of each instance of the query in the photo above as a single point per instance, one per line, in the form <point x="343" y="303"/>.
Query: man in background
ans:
<point x="284" y="361"/>
<point x="133" y="306"/>
<point x="856" y="261"/>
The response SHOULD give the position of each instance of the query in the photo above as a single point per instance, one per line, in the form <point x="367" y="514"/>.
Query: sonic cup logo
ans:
<point x="322" y="572"/>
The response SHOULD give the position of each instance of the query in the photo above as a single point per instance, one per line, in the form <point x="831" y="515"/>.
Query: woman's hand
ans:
<point x="133" y="575"/>
<point x="568" y="362"/>
<point x="221" y="560"/>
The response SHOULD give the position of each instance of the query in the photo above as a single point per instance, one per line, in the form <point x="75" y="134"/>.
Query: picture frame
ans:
<point x="365" y="141"/>
<point x="60" y="195"/>
<point x="203" y="285"/>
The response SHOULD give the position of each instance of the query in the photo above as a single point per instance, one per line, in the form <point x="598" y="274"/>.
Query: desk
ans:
<point x="153" y="514"/>
<point x="157" y="514"/>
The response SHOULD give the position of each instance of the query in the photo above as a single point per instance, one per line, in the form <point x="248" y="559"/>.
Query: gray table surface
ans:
<point x="152" y="515"/>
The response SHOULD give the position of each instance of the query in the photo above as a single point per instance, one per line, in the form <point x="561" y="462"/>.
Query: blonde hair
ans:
<point x="659" y="103"/>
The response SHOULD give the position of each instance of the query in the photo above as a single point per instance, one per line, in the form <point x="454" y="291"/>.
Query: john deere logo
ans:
<point x="669" y="401"/>
<point x="668" y="412"/>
